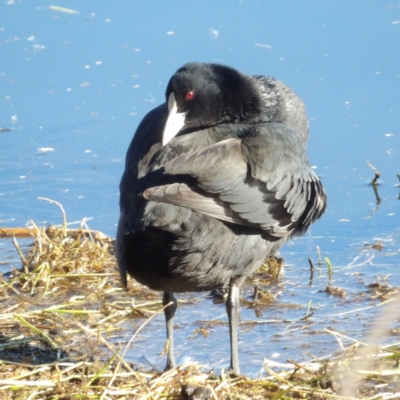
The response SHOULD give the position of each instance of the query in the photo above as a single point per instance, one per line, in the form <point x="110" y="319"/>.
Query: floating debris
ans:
<point x="45" y="149"/>
<point x="376" y="246"/>
<point x="336" y="291"/>
<point x="264" y="46"/>
<point x="63" y="10"/>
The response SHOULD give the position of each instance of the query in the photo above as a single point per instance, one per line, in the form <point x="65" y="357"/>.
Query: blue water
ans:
<point x="74" y="86"/>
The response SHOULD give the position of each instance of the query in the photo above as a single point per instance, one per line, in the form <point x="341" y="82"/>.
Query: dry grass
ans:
<point x="57" y="312"/>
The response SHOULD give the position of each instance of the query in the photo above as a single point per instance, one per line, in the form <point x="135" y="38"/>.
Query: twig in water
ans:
<point x="374" y="181"/>
<point x="312" y="269"/>
<point x="310" y="311"/>
<point x="328" y="263"/>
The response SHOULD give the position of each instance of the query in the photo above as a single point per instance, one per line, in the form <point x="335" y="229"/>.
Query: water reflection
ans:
<point x="80" y="83"/>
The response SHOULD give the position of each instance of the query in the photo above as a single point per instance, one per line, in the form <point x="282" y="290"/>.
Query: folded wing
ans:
<point x="261" y="180"/>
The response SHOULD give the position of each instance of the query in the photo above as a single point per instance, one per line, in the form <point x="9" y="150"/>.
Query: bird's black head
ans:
<point x="203" y="95"/>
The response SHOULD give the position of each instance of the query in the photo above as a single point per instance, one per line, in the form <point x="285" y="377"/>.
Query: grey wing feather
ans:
<point x="234" y="186"/>
<point x="182" y="195"/>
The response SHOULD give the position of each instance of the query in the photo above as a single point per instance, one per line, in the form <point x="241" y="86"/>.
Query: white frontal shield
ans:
<point x="175" y="120"/>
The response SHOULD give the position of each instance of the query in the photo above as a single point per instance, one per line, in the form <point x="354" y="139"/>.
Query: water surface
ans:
<point x="75" y="85"/>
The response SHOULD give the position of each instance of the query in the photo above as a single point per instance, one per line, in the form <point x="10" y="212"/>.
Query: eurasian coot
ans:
<point x="216" y="180"/>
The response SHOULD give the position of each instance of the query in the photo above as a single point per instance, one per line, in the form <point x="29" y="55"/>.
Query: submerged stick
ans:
<point x="16" y="232"/>
<point x="26" y="233"/>
<point x="374" y="184"/>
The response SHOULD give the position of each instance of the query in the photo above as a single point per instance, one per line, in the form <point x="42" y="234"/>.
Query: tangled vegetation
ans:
<point x="60" y="309"/>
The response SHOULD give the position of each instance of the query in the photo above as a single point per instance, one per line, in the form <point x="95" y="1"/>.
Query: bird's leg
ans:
<point x="169" y="313"/>
<point x="232" y="309"/>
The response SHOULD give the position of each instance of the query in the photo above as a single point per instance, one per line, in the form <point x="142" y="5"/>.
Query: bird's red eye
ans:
<point x="190" y="95"/>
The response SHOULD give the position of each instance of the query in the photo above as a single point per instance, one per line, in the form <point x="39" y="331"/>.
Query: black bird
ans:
<point x="216" y="180"/>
